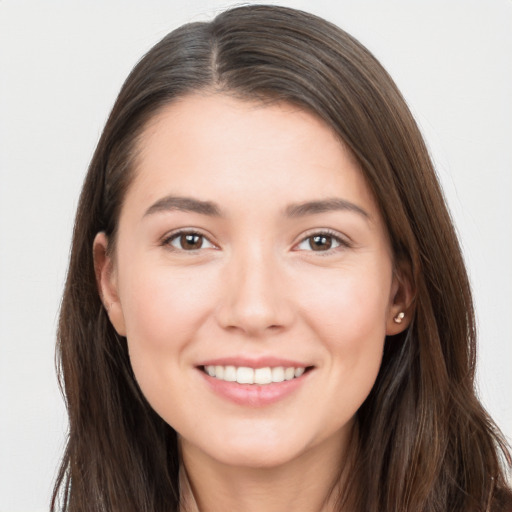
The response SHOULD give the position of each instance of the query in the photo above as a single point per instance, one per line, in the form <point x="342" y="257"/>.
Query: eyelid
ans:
<point x="168" y="237"/>
<point x="343" y="240"/>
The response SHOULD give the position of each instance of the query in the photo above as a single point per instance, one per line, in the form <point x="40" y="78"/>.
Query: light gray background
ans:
<point x="61" y="66"/>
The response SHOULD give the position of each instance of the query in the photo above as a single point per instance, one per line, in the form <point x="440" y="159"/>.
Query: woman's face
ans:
<point x="250" y="248"/>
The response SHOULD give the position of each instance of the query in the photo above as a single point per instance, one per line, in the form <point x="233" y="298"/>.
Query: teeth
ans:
<point x="245" y="375"/>
<point x="263" y="376"/>
<point x="289" y="373"/>
<point x="278" y="374"/>
<point x="298" y="372"/>
<point x="229" y="373"/>
<point x="219" y="370"/>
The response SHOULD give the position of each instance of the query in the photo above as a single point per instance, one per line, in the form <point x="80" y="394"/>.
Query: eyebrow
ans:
<point x="322" y="206"/>
<point x="184" y="204"/>
<point x="189" y="204"/>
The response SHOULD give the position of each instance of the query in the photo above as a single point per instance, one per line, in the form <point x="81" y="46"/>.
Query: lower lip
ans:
<point x="254" y="395"/>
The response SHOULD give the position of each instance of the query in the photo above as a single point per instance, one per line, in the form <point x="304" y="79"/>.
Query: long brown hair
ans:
<point x="425" y="442"/>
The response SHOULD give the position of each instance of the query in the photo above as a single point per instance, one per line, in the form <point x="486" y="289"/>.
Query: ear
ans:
<point x="106" y="281"/>
<point x="401" y="305"/>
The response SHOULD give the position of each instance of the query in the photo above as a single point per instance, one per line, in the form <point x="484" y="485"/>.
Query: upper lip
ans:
<point x="254" y="362"/>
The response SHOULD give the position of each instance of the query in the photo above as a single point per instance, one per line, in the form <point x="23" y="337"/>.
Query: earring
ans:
<point x="398" y="318"/>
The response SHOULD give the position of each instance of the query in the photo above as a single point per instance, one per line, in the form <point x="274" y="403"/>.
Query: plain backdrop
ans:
<point x="61" y="66"/>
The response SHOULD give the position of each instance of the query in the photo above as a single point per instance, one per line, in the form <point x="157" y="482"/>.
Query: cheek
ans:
<point x="348" y="314"/>
<point x="163" y="311"/>
<point x="165" y="307"/>
<point x="348" y="305"/>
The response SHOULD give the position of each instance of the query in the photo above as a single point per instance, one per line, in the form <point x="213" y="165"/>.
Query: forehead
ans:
<point x="216" y="147"/>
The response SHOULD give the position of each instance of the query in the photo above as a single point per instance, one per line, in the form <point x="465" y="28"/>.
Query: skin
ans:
<point x="253" y="288"/>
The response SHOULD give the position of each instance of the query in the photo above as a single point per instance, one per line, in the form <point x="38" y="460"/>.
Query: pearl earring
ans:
<point x="398" y="318"/>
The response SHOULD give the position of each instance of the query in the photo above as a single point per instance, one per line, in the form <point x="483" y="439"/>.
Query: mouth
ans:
<point x="250" y="382"/>
<point x="257" y="376"/>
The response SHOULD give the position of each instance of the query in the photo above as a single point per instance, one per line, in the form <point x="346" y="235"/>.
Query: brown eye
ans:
<point x="189" y="241"/>
<point x="320" y="242"/>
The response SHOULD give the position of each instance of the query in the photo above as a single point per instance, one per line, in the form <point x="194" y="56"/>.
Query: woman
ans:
<point x="266" y="306"/>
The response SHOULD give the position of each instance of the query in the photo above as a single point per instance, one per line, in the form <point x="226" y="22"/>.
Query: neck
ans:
<point x="310" y="483"/>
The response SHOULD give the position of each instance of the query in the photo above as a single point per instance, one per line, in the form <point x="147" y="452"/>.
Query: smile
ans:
<point x="260" y="376"/>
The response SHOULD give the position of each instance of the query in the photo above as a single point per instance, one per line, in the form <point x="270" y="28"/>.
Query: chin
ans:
<point x="248" y="451"/>
<point x="257" y="456"/>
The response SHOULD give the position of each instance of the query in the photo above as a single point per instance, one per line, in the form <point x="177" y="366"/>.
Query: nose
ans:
<point x="254" y="297"/>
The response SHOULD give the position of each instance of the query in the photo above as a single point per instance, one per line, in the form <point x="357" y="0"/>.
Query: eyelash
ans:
<point x="341" y="242"/>
<point x="177" y="234"/>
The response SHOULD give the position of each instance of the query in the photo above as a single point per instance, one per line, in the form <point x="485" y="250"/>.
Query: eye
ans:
<point x="321" y="242"/>
<point x="188" y="241"/>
